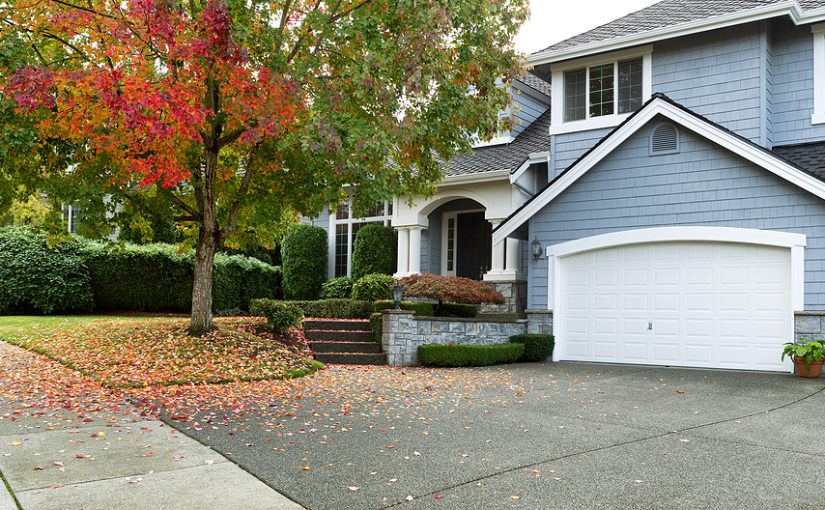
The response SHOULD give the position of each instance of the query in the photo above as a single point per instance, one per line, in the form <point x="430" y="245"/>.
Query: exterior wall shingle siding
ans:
<point x="701" y="185"/>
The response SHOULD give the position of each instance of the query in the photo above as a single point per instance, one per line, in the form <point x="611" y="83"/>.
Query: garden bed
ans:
<point x="123" y="353"/>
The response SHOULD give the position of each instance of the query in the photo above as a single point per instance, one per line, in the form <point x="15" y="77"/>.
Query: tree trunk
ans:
<point x="209" y="239"/>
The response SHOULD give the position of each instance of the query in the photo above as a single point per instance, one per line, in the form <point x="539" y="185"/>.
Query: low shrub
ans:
<point x="373" y="287"/>
<point x="429" y="309"/>
<point x="280" y="315"/>
<point x="377" y="326"/>
<point x="332" y="308"/>
<point x="469" y="355"/>
<point x="537" y="347"/>
<point x="37" y="278"/>
<point x="373" y="251"/>
<point x="337" y="288"/>
<point x="304" y="261"/>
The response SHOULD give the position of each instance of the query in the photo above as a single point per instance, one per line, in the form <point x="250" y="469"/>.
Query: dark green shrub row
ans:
<point x="337" y="288"/>
<point x="156" y="277"/>
<point x="377" y="326"/>
<point x="374" y="251"/>
<point x="280" y="316"/>
<point x="469" y="355"/>
<point x="373" y="287"/>
<point x="429" y="309"/>
<point x="537" y="347"/>
<point x="304" y="254"/>
<point x="35" y="278"/>
<point x="330" y="308"/>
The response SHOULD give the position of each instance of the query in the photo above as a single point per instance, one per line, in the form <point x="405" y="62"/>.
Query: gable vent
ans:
<point x="664" y="139"/>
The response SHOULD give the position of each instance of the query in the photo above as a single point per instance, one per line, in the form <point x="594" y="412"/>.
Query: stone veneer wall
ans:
<point x="515" y="295"/>
<point x="809" y="325"/>
<point x="403" y="332"/>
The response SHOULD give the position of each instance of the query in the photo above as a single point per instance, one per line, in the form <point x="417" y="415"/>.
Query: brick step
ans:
<point x="337" y="325"/>
<point x="346" y="347"/>
<point x="314" y="335"/>
<point x="339" y="358"/>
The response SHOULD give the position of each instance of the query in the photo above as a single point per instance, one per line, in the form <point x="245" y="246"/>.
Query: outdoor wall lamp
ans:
<point x="397" y="294"/>
<point x="535" y="248"/>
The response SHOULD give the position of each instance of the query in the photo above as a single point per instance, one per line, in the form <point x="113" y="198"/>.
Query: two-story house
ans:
<point x="668" y="207"/>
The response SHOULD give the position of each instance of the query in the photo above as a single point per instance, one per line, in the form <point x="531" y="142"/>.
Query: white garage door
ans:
<point x="692" y="304"/>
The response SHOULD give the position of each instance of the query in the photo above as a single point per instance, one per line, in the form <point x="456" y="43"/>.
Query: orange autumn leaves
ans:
<point x="148" y="352"/>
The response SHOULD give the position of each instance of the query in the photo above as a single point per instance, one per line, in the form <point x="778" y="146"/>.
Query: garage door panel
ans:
<point x="710" y="304"/>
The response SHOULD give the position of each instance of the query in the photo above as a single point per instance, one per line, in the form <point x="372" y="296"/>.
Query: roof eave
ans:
<point x="787" y="8"/>
<point x="495" y="175"/>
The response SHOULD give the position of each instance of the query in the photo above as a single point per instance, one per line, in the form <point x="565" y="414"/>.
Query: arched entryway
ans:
<point x="459" y="240"/>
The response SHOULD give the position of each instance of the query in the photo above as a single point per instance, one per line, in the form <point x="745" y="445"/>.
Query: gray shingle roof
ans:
<point x="668" y="13"/>
<point x="536" y="83"/>
<point x="534" y="138"/>
<point x="810" y="157"/>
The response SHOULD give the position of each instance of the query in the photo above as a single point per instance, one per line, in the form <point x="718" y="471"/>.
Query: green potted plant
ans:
<point x="809" y="356"/>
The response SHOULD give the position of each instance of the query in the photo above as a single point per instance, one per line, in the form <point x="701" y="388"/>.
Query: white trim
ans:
<point x="557" y="123"/>
<point x="532" y="159"/>
<point x="787" y="8"/>
<point x="818" y="34"/>
<point x="794" y="242"/>
<point x="679" y="116"/>
<point x="478" y="177"/>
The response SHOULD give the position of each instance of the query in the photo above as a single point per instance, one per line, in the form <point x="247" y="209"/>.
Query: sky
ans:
<point x="552" y="21"/>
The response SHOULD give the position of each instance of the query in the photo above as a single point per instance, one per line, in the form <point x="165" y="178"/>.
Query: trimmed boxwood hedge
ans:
<point x="304" y="259"/>
<point x="332" y="308"/>
<point x="537" y="347"/>
<point x="429" y="309"/>
<point x="157" y="277"/>
<point x="438" y="355"/>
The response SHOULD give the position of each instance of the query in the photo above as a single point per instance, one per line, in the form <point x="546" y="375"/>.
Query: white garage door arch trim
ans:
<point x="795" y="243"/>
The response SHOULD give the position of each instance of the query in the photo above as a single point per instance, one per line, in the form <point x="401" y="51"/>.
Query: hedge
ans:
<point x="374" y="251"/>
<point x="304" y="256"/>
<point x="438" y="355"/>
<point x="537" y="347"/>
<point x="333" y="308"/>
<point x="430" y="309"/>
<point x="377" y="326"/>
<point x="35" y="278"/>
<point x="373" y="287"/>
<point x="157" y="277"/>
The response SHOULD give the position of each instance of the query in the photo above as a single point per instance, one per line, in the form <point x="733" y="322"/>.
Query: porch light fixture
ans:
<point x="535" y="248"/>
<point x="397" y="294"/>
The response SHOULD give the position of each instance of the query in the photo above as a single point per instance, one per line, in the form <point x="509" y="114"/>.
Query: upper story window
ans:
<point x="818" y="116"/>
<point x="601" y="91"/>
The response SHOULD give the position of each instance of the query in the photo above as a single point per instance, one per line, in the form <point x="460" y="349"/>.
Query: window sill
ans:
<point x="818" y="118"/>
<point x="608" y="121"/>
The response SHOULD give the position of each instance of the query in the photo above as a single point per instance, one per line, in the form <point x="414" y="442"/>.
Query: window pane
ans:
<point x="630" y="85"/>
<point x="450" y="244"/>
<point x="341" y="234"/>
<point x="601" y="90"/>
<point x="574" y="95"/>
<point x="342" y="212"/>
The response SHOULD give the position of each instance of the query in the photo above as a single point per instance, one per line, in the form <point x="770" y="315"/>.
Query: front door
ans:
<point x="474" y="245"/>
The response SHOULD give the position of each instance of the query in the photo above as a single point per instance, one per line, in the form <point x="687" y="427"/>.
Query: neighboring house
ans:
<point x="669" y="207"/>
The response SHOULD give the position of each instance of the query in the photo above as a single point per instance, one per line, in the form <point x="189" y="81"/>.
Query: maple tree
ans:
<point x="238" y="115"/>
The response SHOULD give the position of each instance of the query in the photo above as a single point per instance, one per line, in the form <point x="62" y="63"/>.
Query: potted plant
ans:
<point x="809" y="356"/>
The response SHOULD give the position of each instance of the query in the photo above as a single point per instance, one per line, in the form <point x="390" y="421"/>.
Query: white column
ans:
<point x="415" y="250"/>
<point x="403" y="252"/>
<point x="513" y="262"/>
<point x="497" y="269"/>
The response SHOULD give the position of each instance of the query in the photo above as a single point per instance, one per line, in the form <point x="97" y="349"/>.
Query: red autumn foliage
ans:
<point x="452" y="289"/>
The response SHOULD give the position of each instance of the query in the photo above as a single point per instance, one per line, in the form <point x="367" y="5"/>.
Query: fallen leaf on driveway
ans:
<point x="16" y="442"/>
<point x="353" y="488"/>
<point x="680" y="392"/>
<point x="409" y="498"/>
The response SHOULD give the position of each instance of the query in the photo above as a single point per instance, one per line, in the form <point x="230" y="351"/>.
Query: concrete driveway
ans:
<point x="544" y="436"/>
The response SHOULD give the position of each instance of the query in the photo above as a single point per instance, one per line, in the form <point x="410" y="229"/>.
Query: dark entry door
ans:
<point x="475" y="237"/>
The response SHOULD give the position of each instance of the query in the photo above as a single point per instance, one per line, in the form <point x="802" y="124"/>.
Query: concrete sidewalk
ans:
<point x="63" y="462"/>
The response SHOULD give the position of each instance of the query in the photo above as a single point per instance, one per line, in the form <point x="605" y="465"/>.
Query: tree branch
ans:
<point x="80" y="7"/>
<point x="181" y="204"/>
<point x="236" y="204"/>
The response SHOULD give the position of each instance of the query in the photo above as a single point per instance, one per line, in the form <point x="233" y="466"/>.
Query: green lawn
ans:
<point x="12" y="326"/>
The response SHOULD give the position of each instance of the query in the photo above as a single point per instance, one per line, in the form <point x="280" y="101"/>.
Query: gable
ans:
<point x="660" y="106"/>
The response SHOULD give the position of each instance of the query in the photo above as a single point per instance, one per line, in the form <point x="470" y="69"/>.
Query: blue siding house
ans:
<point x="663" y="196"/>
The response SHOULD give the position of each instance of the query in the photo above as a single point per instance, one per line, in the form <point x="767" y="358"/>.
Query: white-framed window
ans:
<point x="344" y="226"/>
<point x="818" y="116"/>
<point x="449" y="240"/>
<point x="71" y="217"/>
<point x="600" y="92"/>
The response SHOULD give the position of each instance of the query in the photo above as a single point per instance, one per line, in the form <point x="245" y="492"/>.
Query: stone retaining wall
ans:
<point x="809" y="325"/>
<point x="403" y="332"/>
